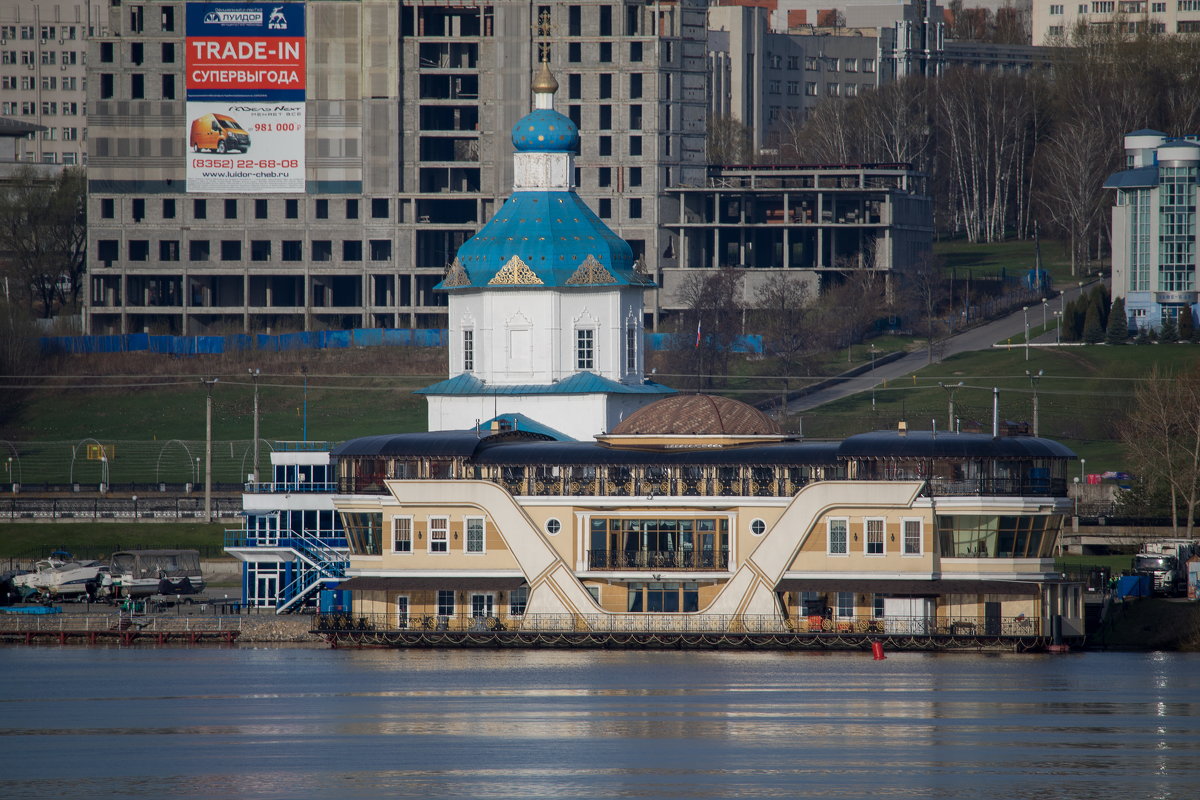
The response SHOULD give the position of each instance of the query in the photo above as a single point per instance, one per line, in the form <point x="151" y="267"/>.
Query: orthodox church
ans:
<point x="546" y="302"/>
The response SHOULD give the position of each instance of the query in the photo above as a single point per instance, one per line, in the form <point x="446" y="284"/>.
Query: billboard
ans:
<point x="245" y="97"/>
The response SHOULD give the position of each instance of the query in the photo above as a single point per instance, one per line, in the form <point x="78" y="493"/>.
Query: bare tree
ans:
<point x="783" y="306"/>
<point x="710" y="323"/>
<point x="43" y="233"/>
<point x="728" y="141"/>
<point x="1162" y="437"/>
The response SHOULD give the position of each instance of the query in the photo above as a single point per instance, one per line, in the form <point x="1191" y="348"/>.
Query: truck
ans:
<point x="1165" y="562"/>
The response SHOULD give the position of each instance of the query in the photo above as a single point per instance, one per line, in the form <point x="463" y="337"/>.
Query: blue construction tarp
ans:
<point x="211" y="345"/>
<point x="1134" y="586"/>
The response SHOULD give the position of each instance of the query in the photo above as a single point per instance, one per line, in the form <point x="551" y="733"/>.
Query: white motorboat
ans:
<point x="140" y="573"/>
<point x="57" y="577"/>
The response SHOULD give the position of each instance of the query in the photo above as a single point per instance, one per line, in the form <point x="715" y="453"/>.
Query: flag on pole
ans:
<point x="697" y="332"/>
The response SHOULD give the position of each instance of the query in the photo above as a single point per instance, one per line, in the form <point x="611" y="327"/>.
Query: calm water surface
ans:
<point x="211" y="722"/>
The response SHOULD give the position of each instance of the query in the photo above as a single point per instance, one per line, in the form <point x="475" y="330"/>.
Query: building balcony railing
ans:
<point x="726" y="487"/>
<point x="652" y="560"/>
<point x="240" y="537"/>
<point x="498" y="622"/>
<point x="288" y="487"/>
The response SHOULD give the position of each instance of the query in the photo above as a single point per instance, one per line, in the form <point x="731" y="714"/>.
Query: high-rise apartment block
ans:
<point x="43" y="55"/>
<point x="316" y="165"/>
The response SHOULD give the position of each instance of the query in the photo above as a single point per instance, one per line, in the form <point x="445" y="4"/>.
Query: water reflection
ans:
<point x="266" y="723"/>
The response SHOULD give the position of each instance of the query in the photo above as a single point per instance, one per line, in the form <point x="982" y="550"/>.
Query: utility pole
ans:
<point x="304" y="432"/>
<point x="254" y="375"/>
<point x="951" y="390"/>
<point x="1033" y="381"/>
<point x="209" y="383"/>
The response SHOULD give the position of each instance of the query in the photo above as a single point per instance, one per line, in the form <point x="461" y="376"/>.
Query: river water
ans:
<point x="247" y="722"/>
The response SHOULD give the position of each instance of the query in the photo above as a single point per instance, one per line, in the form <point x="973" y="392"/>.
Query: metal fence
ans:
<point x="97" y="509"/>
<point x="1020" y="626"/>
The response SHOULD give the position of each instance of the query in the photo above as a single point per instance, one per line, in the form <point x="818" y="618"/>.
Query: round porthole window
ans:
<point x="553" y="526"/>
<point x="758" y="527"/>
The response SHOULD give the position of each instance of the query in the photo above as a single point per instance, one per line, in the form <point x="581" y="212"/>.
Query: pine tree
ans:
<point x="1093" y="333"/>
<point x="1187" y="325"/>
<point x="1117" y="330"/>
<point x="1168" y="332"/>
<point x="1143" y="336"/>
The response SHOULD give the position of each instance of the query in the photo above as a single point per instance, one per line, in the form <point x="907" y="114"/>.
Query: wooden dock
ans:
<point x="118" y="628"/>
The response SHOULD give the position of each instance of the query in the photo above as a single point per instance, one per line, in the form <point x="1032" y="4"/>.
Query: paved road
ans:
<point x="980" y="338"/>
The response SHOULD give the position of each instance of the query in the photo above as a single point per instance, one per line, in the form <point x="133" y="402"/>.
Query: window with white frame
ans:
<point x="468" y="350"/>
<point x="868" y="65"/>
<point x="838" y="537"/>
<point x="402" y="534"/>
<point x="1056" y="10"/>
<point x="873" y="537"/>
<point x="439" y="534"/>
<point x="585" y="348"/>
<point x="912" y="537"/>
<point x="877" y="606"/>
<point x="445" y="602"/>
<point x="631" y="336"/>
<point x="402" y="611"/>
<point x="475" y="540"/>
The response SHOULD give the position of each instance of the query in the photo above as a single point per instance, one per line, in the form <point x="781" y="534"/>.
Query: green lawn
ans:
<point x="26" y="540"/>
<point x="1083" y="394"/>
<point x="961" y="257"/>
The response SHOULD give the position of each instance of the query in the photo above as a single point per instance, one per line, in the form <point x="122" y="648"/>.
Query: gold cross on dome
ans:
<point x="543" y="29"/>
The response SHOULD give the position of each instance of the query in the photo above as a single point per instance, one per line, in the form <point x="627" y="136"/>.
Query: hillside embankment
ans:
<point x="1150" y="624"/>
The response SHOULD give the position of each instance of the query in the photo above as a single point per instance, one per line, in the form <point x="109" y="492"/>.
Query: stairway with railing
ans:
<point x="321" y="565"/>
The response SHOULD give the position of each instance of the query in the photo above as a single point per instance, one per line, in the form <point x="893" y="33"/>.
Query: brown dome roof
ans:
<point x="697" y="415"/>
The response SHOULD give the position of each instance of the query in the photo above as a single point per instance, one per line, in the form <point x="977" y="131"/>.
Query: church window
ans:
<point x="468" y="350"/>
<point x="585" y="348"/>
<point x="631" y="349"/>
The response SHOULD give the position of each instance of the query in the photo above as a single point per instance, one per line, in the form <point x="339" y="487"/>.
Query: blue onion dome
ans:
<point x="545" y="130"/>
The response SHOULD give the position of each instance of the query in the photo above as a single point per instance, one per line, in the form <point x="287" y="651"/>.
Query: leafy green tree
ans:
<point x="1117" y="330"/>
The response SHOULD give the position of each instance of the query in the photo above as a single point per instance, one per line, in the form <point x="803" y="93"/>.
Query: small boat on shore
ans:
<point x="60" y="576"/>
<point x="141" y="573"/>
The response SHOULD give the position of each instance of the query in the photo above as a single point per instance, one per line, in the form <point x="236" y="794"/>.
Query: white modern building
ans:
<point x="1154" y="242"/>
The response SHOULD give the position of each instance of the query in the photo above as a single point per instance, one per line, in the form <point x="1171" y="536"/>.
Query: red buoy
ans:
<point x="877" y="651"/>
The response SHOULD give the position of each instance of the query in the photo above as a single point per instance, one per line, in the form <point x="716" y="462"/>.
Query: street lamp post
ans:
<point x="135" y="514"/>
<point x="209" y="383"/>
<point x="1058" y="328"/>
<point x="304" y="432"/>
<point x="872" y="376"/>
<point x="1045" y="304"/>
<point x="1025" y="309"/>
<point x="1033" y="381"/>
<point x="254" y="374"/>
<point x="1083" y="470"/>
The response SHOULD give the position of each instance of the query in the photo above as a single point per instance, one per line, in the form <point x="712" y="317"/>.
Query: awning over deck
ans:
<point x="425" y="583"/>
<point x="908" y="587"/>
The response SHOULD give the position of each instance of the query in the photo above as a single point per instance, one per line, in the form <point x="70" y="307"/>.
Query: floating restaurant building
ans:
<point x="559" y="493"/>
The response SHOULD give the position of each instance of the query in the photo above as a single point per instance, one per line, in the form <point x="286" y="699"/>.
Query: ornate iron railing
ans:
<point x="651" y="560"/>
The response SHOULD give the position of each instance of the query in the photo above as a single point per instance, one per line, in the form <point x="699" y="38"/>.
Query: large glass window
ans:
<point x="1177" y="229"/>
<point x="845" y="605"/>
<point x="445" y="602"/>
<point x="987" y="536"/>
<point x="402" y="611"/>
<point x="364" y="531"/>
<point x="624" y="543"/>
<point x="663" y="598"/>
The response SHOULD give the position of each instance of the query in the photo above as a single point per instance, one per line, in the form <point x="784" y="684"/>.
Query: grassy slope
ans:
<point x="90" y="539"/>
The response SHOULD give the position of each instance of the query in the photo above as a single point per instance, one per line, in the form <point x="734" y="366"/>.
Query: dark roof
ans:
<point x="1140" y="178"/>
<point x="579" y="383"/>
<point x="926" y="444"/>
<point x="438" y="443"/>
<point x="591" y="453"/>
